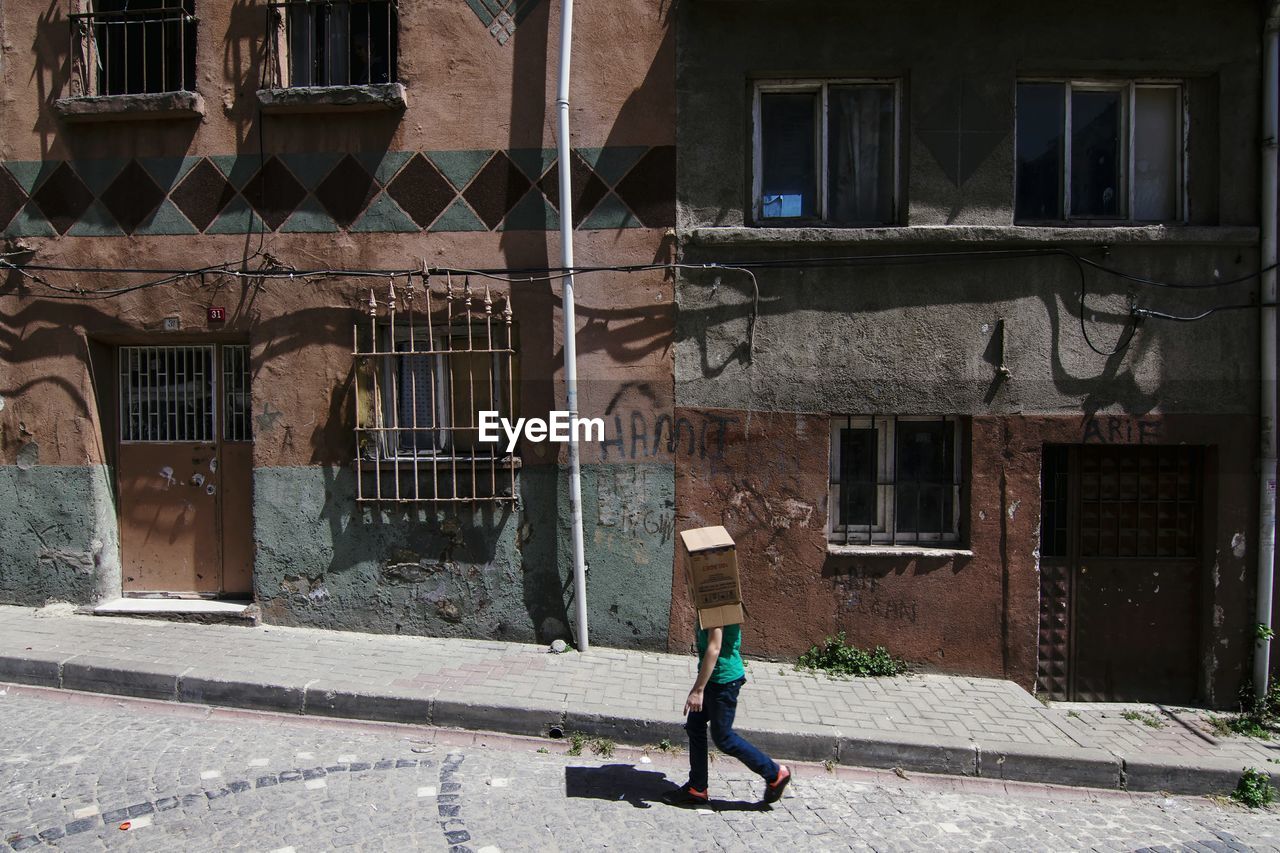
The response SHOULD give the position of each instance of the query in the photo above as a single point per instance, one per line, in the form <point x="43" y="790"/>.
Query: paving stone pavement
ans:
<point x="632" y="696"/>
<point x="86" y="772"/>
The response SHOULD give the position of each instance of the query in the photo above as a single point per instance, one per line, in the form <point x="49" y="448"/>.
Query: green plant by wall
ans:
<point x="836" y="657"/>
<point x="1254" y="789"/>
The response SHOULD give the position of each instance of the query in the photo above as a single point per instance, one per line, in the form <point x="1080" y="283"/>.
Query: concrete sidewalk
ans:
<point x="922" y="723"/>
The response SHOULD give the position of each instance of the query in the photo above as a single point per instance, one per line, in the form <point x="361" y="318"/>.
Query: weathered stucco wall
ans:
<point x="465" y="178"/>
<point x="325" y="562"/>
<point x="891" y="321"/>
<point x="930" y="336"/>
<point x="58" y="533"/>
<point x="959" y="64"/>
<point x="975" y="613"/>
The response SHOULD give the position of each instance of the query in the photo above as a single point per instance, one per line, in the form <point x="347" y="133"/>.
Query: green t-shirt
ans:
<point x="729" y="664"/>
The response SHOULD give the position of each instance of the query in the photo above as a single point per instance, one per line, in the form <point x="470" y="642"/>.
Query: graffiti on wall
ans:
<point x="1122" y="431"/>
<point x="864" y="594"/>
<point x="642" y="435"/>
<point x="627" y="504"/>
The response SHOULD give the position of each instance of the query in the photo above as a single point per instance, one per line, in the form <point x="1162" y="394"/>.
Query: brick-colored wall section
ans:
<point x="767" y="483"/>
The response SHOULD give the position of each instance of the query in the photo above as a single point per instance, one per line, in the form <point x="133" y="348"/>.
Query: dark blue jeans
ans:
<point x="719" y="705"/>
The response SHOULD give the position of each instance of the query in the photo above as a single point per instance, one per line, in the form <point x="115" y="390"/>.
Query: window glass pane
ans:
<point x="1096" y="122"/>
<point x="415" y="406"/>
<point x="860" y="155"/>
<point x="1040" y="131"/>
<point x="925" y="498"/>
<point x="1157" y="138"/>
<point x="788" y="152"/>
<point x="858" y="477"/>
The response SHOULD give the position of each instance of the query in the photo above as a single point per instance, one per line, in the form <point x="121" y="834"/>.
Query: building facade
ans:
<point x="957" y="424"/>
<point x="235" y="360"/>
<point x="902" y="297"/>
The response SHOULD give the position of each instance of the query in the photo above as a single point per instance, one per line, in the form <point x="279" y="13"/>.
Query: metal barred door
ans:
<point x="183" y="432"/>
<point x="1121" y="573"/>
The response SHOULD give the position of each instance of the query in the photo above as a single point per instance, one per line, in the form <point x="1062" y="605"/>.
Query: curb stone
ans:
<point x="920" y="753"/>
<point x="214" y="690"/>
<point x="122" y="678"/>
<point x="1179" y="776"/>
<point x="1089" y="768"/>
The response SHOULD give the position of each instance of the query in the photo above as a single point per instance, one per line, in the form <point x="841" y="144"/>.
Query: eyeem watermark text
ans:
<point x="558" y="428"/>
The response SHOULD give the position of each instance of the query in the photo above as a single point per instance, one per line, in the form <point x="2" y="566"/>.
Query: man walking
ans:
<point x="714" y="700"/>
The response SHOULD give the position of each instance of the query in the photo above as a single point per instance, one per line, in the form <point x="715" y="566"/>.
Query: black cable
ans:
<point x="1175" y="285"/>
<point x="1160" y="315"/>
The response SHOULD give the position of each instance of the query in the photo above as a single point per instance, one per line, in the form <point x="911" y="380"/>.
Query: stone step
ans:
<point x="204" y="611"/>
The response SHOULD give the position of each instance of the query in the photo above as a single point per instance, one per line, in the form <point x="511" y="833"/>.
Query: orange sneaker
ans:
<point x="686" y="795"/>
<point x="773" y="791"/>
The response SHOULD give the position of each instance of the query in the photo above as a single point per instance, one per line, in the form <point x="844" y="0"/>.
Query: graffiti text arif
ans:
<point x="559" y="427"/>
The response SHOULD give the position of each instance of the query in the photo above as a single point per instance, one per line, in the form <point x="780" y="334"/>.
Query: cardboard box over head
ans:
<point x="711" y="566"/>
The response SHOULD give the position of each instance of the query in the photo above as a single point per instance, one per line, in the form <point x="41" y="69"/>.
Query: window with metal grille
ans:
<point x="132" y="47"/>
<point x="237" y="423"/>
<point x="427" y="365"/>
<point x="895" y="481"/>
<point x="334" y="42"/>
<point x="167" y="394"/>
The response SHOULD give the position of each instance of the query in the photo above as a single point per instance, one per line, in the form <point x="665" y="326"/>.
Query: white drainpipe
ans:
<point x="1267" y="348"/>
<point x="570" y="326"/>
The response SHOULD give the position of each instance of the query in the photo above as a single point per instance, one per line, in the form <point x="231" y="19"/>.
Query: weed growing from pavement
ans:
<point x="1149" y="720"/>
<point x="603" y="747"/>
<point x="1258" y="718"/>
<point x="1239" y="724"/>
<point x="830" y="765"/>
<point x="1074" y="714"/>
<point x="1254" y="789"/>
<point x="837" y="658"/>
<point x="543" y="750"/>
<point x="577" y="740"/>
<point x="665" y="745"/>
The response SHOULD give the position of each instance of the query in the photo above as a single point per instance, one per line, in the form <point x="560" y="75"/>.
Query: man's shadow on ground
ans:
<point x="640" y="788"/>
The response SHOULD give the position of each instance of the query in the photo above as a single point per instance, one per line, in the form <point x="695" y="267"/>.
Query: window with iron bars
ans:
<point x="427" y="365"/>
<point x="895" y="481"/>
<point x="133" y="47"/>
<point x="334" y="42"/>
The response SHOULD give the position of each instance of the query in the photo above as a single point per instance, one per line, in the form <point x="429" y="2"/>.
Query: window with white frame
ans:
<point x="1100" y="150"/>
<point x="895" y="481"/>
<point x="826" y="151"/>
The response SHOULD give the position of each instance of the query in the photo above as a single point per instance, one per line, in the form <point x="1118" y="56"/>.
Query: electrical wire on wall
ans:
<point x="271" y="269"/>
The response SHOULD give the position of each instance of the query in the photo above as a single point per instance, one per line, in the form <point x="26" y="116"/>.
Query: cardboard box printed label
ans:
<point x="711" y="566"/>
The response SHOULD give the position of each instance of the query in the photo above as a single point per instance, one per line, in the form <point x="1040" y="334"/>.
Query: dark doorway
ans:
<point x="1121" y="527"/>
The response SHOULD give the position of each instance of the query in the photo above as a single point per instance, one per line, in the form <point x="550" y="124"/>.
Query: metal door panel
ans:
<point x="169" y="518"/>
<point x="1135" y="631"/>
<point x="237" y="519"/>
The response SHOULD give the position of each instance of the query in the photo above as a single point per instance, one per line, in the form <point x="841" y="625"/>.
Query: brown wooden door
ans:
<point x="1120" y="573"/>
<point x="178" y="472"/>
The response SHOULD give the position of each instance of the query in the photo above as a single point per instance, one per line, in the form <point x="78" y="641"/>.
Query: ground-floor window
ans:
<point x="428" y="365"/>
<point x="895" y="480"/>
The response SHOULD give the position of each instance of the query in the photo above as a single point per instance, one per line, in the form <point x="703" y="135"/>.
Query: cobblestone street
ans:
<point x="86" y="772"/>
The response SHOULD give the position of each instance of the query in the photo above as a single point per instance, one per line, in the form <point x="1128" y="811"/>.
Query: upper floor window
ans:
<point x="338" y="42"/>
<point x="895" y="481"/>
<point x="826" y="152"/>
<point x="133" y="47"/>
<point x="1100" y="150"/>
